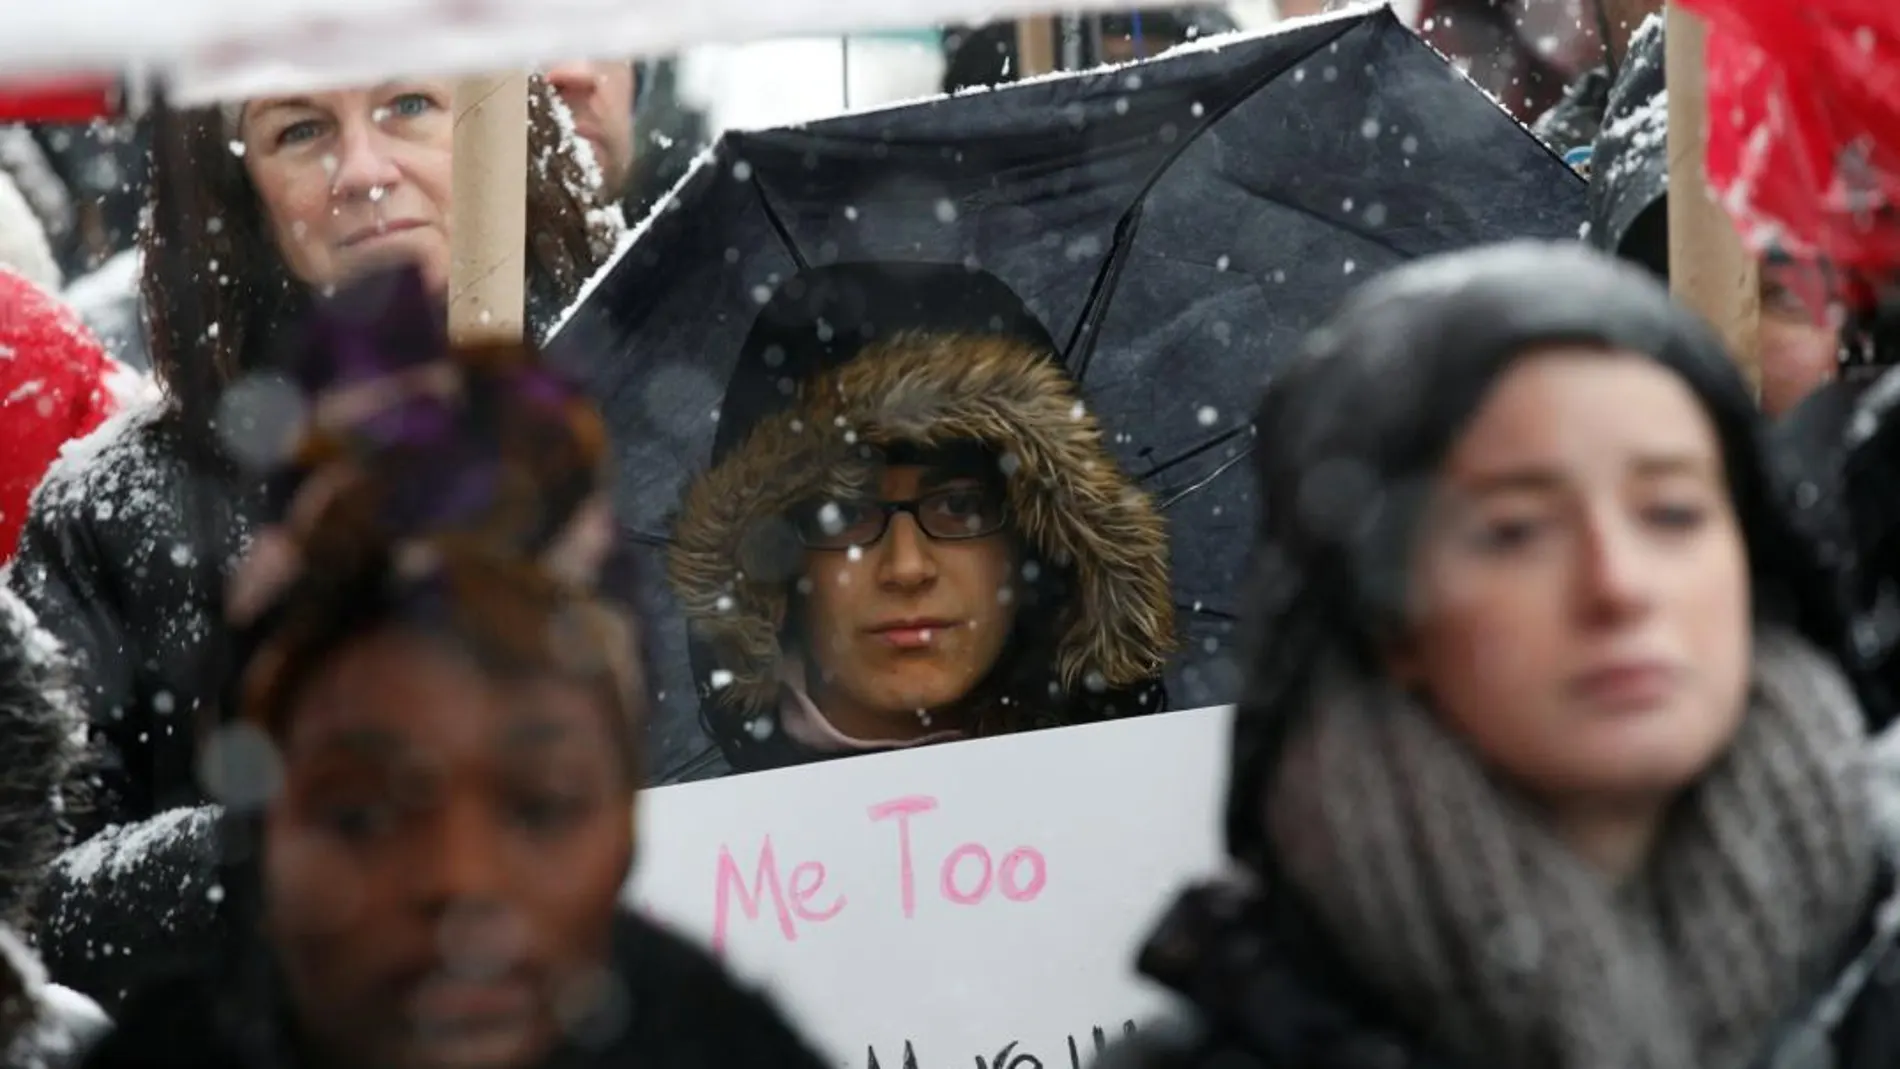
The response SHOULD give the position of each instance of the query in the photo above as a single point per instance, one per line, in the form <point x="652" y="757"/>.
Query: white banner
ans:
<point x="982" y="900"/>
<point x="220" y="47"/>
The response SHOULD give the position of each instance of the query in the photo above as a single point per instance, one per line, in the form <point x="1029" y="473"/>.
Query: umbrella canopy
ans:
<point x="1174" y="226"/>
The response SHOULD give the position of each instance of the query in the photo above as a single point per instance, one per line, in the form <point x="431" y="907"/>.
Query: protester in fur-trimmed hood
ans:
<point x="436" y="695"/>
<point x="1548" y="757"/>
<point x="912" y="531"/>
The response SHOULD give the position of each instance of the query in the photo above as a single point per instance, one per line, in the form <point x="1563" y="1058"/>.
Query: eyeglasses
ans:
<point x="953" y="514"/>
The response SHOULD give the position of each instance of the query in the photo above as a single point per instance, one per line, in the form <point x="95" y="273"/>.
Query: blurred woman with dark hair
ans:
<point x="1549" y="756"/>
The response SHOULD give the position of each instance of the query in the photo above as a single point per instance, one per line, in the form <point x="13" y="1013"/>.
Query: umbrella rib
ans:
<point x="1108" y="278"/>
<point x="1220" y="439"/>
<point x="1202" y="482"/>
<point x="1342" y="225"/>
<point x="778" y="225"/>
<point x="645" y="539"/>
<point x="693" y="763"/>
<point x="1200" y="609"/>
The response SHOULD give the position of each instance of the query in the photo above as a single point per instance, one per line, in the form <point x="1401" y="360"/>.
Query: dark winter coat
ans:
<point x="1629" y="166"/>
<point x="669" y="134"/>
<point x="683" y="1012"/>
<point x="1570" y="126"/>
<point x="1840" y="451"/>
<point x="135" y="903"/>
<point x="121" y="558"/>
<point x="41" y="782"/>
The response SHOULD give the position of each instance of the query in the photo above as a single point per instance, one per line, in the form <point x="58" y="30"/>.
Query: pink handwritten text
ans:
<point x="967" y="875"/>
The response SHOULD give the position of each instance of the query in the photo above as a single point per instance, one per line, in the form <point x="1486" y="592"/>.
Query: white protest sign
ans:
<point x="983" y="900"/>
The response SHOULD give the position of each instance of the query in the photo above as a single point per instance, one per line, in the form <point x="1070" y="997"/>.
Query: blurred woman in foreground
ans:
<point x="1548" y="758"/>
<point x="432" y="743"/>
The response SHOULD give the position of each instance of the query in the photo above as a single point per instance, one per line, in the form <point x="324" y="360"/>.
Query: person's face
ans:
<point x="441" y="870"/>
<point x="1799" y="351"/>
<point x="908" y="624"/>
<point x="355" y="179"/>
<point x="1579" y="606"/>
<point x="600" y="95"/>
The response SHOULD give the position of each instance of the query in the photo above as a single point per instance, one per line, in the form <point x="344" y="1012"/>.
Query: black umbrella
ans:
<point x="1175" y="225"/>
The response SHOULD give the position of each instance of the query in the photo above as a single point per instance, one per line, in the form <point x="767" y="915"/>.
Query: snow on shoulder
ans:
<point x="124" y="849"/>
<point x="109" y="469"/>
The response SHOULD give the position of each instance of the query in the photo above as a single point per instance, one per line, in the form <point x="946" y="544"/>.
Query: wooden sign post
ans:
<point x="1709" y="269"/>
<point x="487" y="259"/>
<point x="1035" y="47"/>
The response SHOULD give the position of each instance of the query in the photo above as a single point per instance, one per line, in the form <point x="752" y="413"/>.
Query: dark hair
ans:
<point x="1354" y="431"/>
<point x="510" y="619"/>
<point x="217" y="293"/>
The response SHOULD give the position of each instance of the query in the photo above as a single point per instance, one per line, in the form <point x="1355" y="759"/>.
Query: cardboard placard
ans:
<point x="487" y="257"/>
<point x="982" y="899"/>
<point x="1709" y="269"/>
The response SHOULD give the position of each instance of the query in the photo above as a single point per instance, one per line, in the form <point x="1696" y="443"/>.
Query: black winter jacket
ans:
<point x="683" y="1012"/>
<point x="120" y="559"/>
<point x="1839" y="451"/>
<point x="134" y="904"/>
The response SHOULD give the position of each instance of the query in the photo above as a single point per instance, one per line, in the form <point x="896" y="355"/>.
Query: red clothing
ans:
<point x="53" y="388"/>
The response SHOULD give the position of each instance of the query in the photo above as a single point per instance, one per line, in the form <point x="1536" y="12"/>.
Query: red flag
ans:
<point x="80" y="98"/>
<point x="1804" y="128"/>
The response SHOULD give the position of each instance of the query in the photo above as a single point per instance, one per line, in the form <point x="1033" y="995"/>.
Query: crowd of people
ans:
<point x="323" y="678"/>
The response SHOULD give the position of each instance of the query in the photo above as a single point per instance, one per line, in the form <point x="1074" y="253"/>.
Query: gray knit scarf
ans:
<point x="1448" y="896"/>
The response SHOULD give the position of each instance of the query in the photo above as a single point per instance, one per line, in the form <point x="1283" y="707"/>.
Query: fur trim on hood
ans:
<point x="734" y="555"/>
<point x="41" y="760"/>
